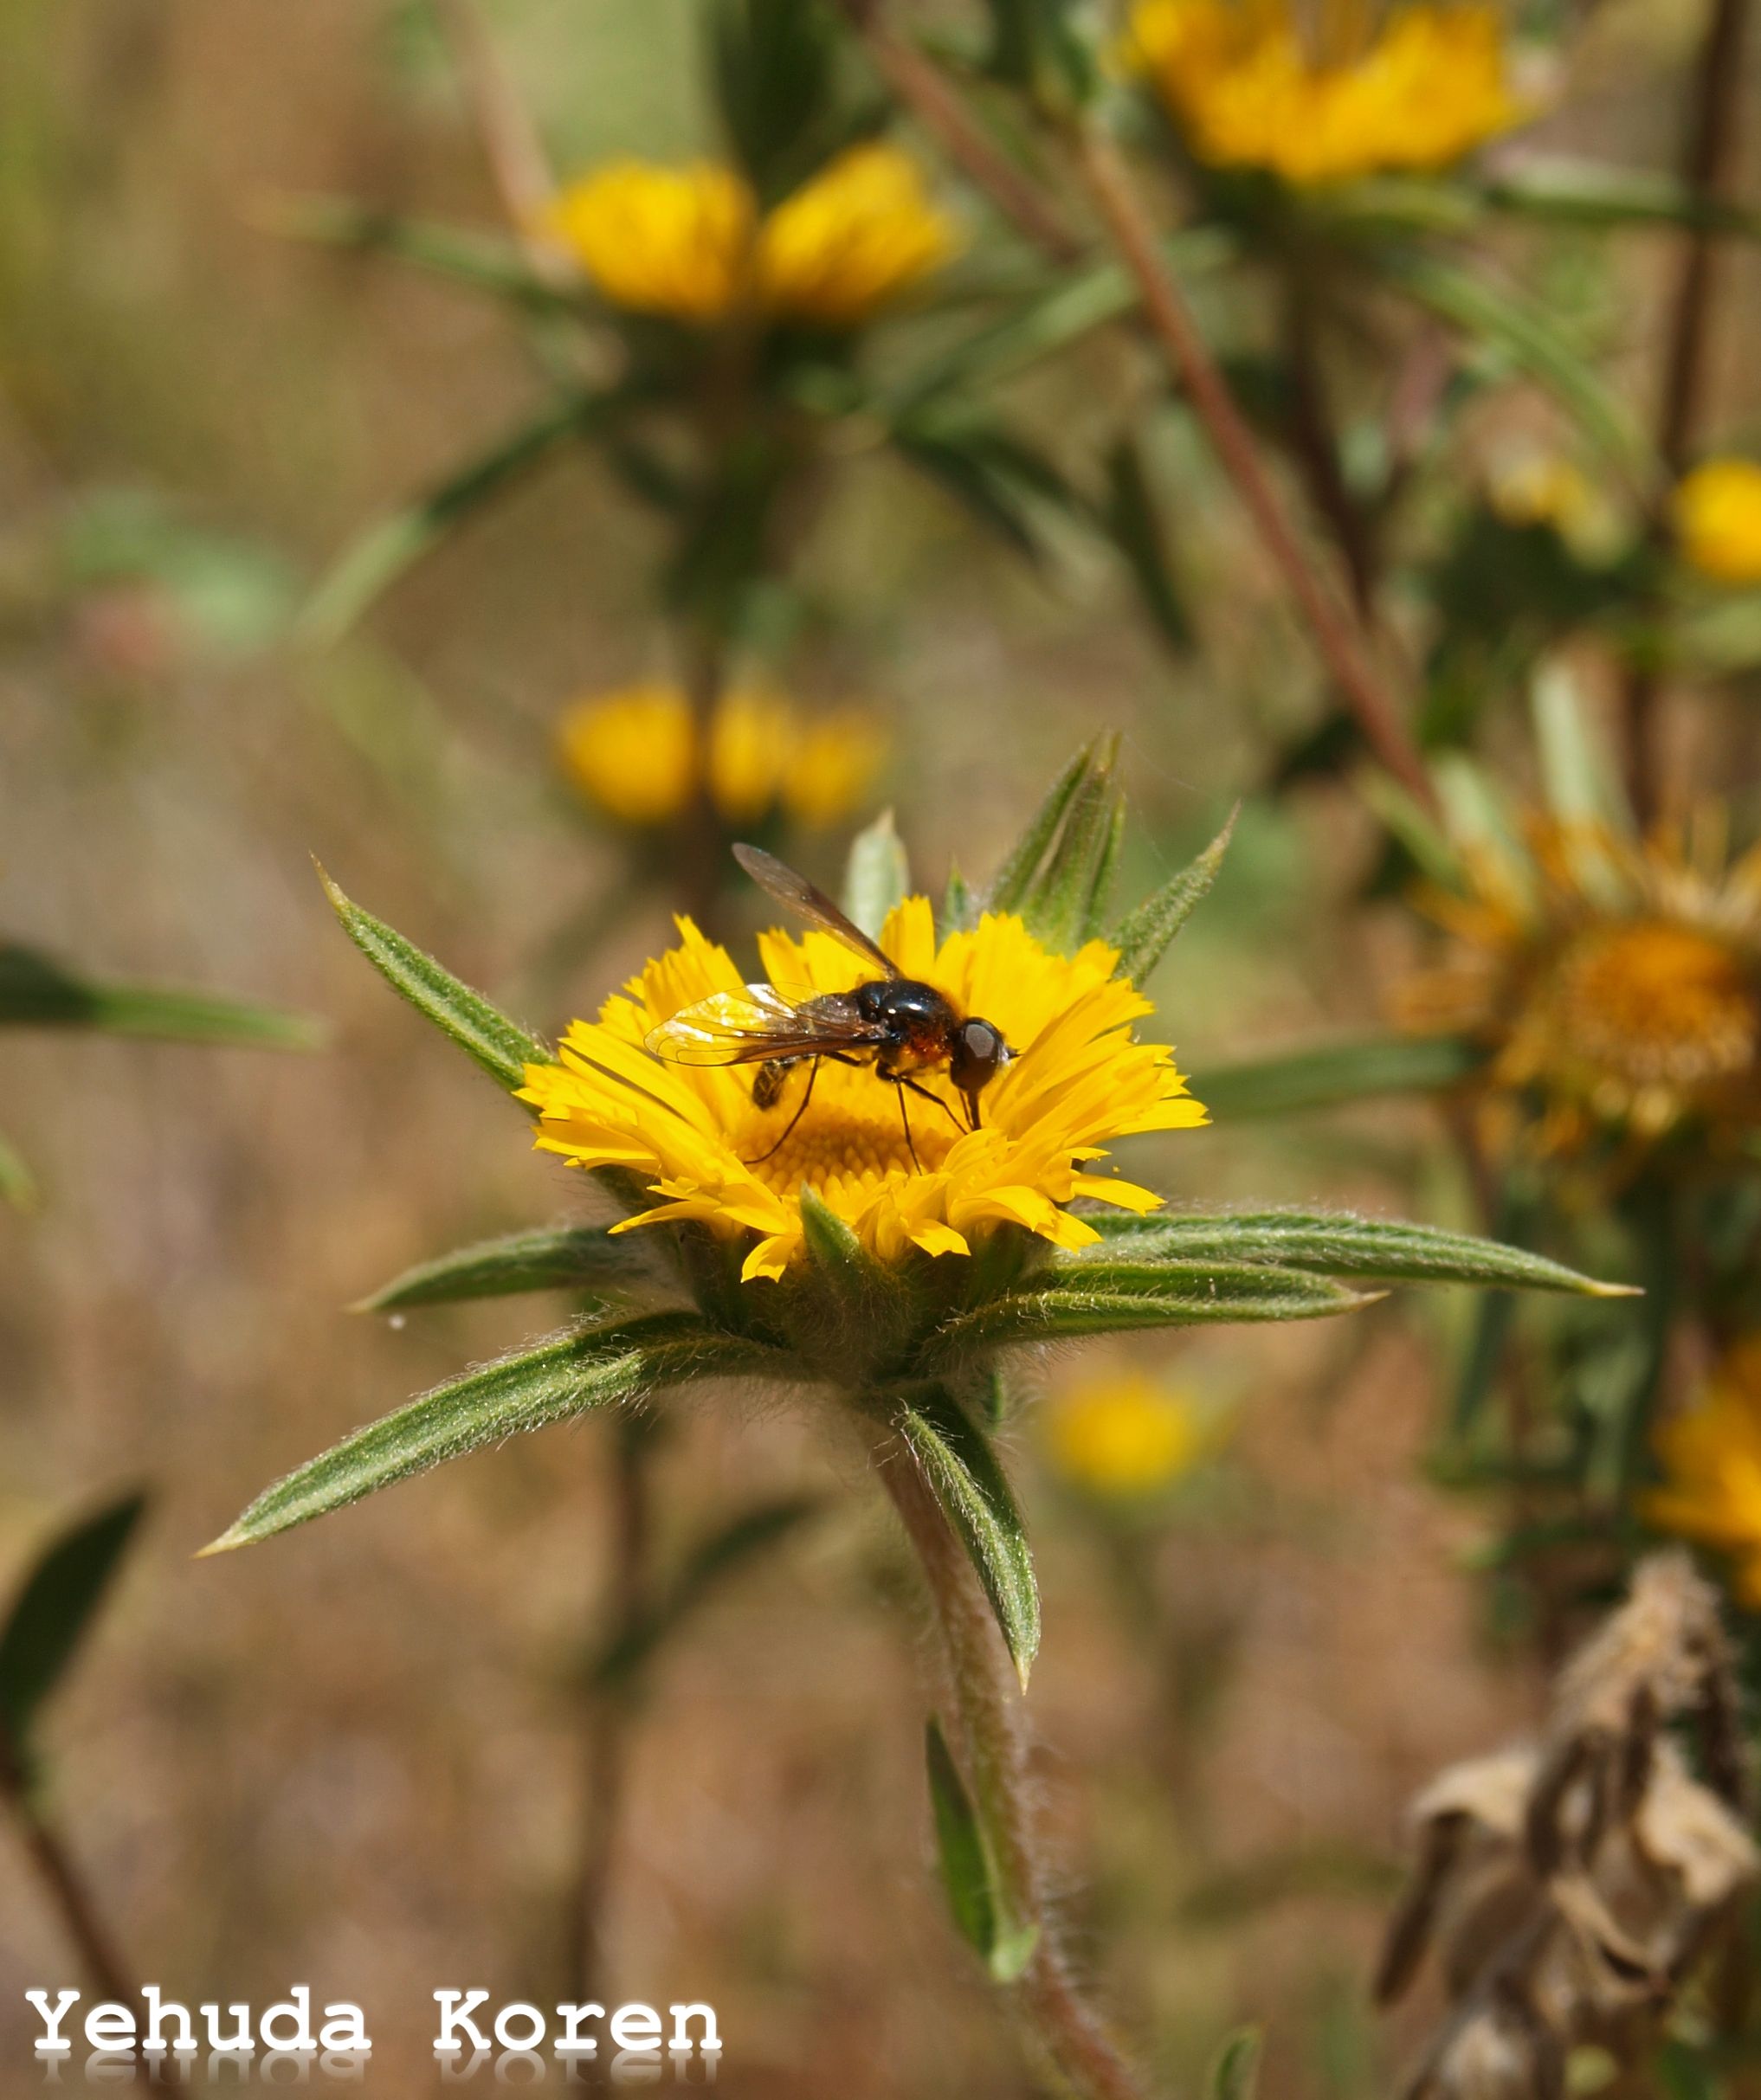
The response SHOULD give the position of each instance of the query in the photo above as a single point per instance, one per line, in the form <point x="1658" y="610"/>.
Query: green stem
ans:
<point x="991" y="1745"/>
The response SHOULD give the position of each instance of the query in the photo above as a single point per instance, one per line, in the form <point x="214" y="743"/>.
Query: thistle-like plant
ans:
<point x="888" y="1278"/>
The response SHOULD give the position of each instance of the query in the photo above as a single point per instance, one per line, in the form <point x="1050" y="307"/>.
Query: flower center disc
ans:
<point x="1655" y="1004"/>
<point x="851" y="1138"/>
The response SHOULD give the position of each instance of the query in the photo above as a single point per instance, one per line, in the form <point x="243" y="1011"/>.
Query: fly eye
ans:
<point x="979" y="1052"/>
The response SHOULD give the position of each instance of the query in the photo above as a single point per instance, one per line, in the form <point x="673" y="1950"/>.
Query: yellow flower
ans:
<point x="1247" y="91"/>
<point x="1620" y="980"/>
<point x="833" y="762"/>
<point x="695" y="1137"/>
<point x="668" y="241"/>
<point x="689" y="242"/>
<point x="1718" y="519"/>
<point x="1711" y="1460"/>
<point x="852" y="240"/>
<point x="749" y="738"/>
<point x="1125" y="1437"/>
<point x="634" y="754"/>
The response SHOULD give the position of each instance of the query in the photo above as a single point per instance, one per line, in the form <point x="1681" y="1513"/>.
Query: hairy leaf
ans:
<point x="486" y="1035"/>
<point x="1143" y="935"/>
<point x="36" y="991"/>
<point x="960" y="1847"/>
<point x="603" y="1366"/>
<point x="556" y="1258"/>
<point x="1594" y="193"/>
<point x="1333" y="1243"/>
<point x="963" y="1473"/>
<point x="1336" y="1074"/>
<point x="55" y="1607"/>
<point x="1148" y="1295"/>
<point x="877" y="874"/>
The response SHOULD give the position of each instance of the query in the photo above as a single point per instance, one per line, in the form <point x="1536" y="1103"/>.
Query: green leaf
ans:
<point x="1593" y="193"/>
<point x="871" y="1297"/>
<point x="877" y="874"/>
<point x="960" y="1847"/>
<point x="1582" y="781"/>
<point x="36" y="991"/>
<point x="608" y="1365"/>
<point x="1000" y="479"/>
<point x="1528" y="338"/>
<point x="963" y="1474"/>
<point x="486" y="1035"/>
<point x="960" y="906"/>
<point x="1133" y="522"/>
<point x="1010" y="889"/>
<point x="1058" y="873"/>
<point x="1235" y="2070"/>
<point x="1336" y="1074"/>
<point x="1123" y="1297"/>
<point x="772" y="65"/>
<point x="1331" y="1243"/>
<point x="369" y="567"/>
<point x="556" y="1258"/>
<point x="727" y="1551"/>
<point x="483" y="262"/>
<point x="1143" y="935"/>
<point x="18" y="1183"/>
<point x="57" y="1603"/>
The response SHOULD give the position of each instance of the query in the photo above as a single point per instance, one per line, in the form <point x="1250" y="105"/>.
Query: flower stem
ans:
<point x="1708" y="155"/>
<point x="62" y="1883"/>
<point x="993" y="1749"/>
<point x="1336" y="638"/>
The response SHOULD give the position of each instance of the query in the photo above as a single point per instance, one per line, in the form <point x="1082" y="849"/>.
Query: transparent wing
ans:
<point x="745" y="1028"/>
<point x="796" y="894"/>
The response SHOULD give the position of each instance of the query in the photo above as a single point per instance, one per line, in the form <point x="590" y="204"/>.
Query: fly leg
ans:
<point x="788" y="1127"/>
<point x="905" y="1118"/>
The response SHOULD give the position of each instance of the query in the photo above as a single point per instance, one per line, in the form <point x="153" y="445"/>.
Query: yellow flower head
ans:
<point x="1712" y="1464"/>
<point x="689" y="242"/>
<point x="634" y="754"/>
<point x="675" y="241"/>
<point x="1717" y="520"/>
<point x="1124" y="1437"/>
<point x="699" y="1141"/>
<point x="849" y="242"/>
<point x="1248" y="91"/>
<point x="1620" y="980"/>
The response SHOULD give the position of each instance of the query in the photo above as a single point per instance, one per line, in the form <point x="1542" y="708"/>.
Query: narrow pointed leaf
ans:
<point x="1057" y="903"/>
<point x="1017" y="871"/>
<point x="1143" y="935"/>
<point x="1134" y="523"/>
<point x="960" y="907"/>
<point x="482" y="262"/>
<point x="486" y="1035"/>
<point x="37" y="991"/>
<point x="871" y="1297"/>
<point x="1338" y="1074"/>
<point x="56" y="1605"/>
<point x="560" y="1257"/>
<point x="878" y="875"/>
<point x="1578" y="771"/>
<point x="387" y="551"/>
<point x="1235" y="2070"/>
<point x="1145" y="1296"/>
<point x="604" y="1366"/>
<point x="1593" y="193"/>
<point x="1331" y="1243"/>
<point x="963" y="1475"/>
<point x="960" y="1849"/>
<point x="729" y="1550"/>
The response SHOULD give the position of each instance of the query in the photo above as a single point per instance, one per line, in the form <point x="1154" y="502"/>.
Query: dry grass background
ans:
<point x="349" y="1758"/>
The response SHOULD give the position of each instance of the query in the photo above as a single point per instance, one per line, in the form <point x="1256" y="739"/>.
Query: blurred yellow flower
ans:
<point x="690" y="242"/>
<point x="1125" y="1437"/>
<point x="1248" y="91"/>
<point x="1718" y="519"/>
<point x="634" y="754"/>
<point x="669" y="241"/>
<point x="1619" y="981"/>
<point x="1711" y="1463"/>
<point x="1543" y="488"/>
<point x="697" y="1138"/>
<point x="849" y="242"/>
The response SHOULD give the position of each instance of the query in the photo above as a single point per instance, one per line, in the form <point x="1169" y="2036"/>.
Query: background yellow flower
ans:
<point x="1126" y="1436"/>
<point x="860" y="233"/>
<point x="1248" y="91"/>
<point x="1718" y="519"/>
<point x="1712" y="1462"/>
<point x="668" y="241"/>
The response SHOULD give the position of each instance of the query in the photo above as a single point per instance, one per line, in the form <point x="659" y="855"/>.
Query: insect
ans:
<point x="897" y="1024"/>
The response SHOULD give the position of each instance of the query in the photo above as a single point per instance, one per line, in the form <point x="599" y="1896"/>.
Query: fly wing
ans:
<point x="750" y="1027"/>
<point x="796" y="894"/>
